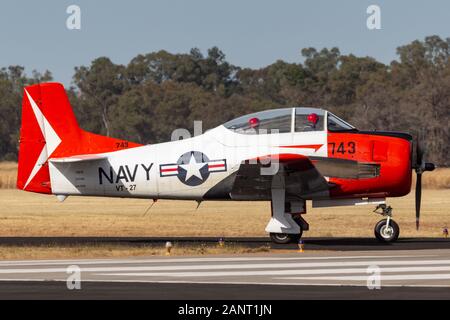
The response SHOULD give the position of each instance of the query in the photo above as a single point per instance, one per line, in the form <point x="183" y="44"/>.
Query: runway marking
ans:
<point x="280" y="272"/>
<point x="404" y="269"/>
<point x="383" y="277"/>
<point x="233" y="266"/>
<point x="168" y="260"/>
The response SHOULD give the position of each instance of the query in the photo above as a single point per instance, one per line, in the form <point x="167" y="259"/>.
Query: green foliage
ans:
<point x="158" y="92"/>
<point x="12" y="81"/>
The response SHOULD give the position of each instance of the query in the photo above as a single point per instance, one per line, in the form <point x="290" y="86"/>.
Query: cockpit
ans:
<point x="288" y="120"/>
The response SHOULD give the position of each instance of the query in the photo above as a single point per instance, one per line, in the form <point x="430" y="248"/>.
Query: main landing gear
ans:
<point x="386" y="230"/>
<point x="286" y="224"/>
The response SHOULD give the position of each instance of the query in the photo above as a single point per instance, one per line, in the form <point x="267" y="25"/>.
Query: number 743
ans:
<point x="342" y="147"/>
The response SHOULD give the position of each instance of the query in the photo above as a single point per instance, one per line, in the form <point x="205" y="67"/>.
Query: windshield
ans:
<point x="336" y="124"/>
<point x="269" y="121"/>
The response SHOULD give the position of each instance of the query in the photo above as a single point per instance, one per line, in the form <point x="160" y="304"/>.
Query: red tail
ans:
<point x="50" y="130"/>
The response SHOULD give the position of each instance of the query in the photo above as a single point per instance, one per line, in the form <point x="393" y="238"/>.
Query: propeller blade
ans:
<point x="418" y="198"/>
<point x="419" y="153"/>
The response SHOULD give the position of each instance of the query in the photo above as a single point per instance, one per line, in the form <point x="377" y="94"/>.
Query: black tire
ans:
<point x="284" y="238"/>
<point x="387" y="236"/>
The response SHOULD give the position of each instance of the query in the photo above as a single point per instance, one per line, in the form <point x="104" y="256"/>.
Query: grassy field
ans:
<point x="8" y="175"/>
<point x="27" y="214"/>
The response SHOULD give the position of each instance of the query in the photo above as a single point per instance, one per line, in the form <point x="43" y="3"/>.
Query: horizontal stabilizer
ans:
<point x="79" y="158"/>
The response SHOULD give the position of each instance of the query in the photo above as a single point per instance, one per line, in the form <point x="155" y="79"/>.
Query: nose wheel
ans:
<point x="386" y="230"/>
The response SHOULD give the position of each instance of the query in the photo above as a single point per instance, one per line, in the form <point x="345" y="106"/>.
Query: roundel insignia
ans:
<point x="193" y="168"/>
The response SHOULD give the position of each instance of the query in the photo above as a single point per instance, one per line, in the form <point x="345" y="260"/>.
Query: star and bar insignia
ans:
<point x="192" y="168"/>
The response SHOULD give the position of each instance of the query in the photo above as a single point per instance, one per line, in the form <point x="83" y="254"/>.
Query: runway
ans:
<point x="335" y="244"/>
<point x="403" y="274"/>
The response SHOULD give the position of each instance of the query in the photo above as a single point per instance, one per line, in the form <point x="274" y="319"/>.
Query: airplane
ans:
<point x="287" y="156"/>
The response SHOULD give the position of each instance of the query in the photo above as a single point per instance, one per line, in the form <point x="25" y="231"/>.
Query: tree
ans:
<point x="100" y="85"/>
<point x="158" y="92"/>
<point x="12" y="81"/>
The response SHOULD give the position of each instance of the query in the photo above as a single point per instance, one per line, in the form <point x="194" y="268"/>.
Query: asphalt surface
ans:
<point x="195" y="291"/>
<point x="334" y="244"/>
<point x="403" y="274"/>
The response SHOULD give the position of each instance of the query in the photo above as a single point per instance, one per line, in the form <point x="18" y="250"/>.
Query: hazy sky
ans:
<point x="252" y="33"/>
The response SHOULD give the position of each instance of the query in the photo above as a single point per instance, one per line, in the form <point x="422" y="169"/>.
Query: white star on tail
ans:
<point x="193" y="168"/>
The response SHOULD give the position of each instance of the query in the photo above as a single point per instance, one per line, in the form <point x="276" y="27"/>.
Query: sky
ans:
<point x="252" y="33"/>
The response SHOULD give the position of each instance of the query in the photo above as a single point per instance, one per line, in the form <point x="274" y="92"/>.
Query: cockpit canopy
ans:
<point x="288" y="120"/>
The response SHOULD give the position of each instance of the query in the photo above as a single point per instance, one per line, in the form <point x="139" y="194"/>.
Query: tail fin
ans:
<point x="50" y="130"/>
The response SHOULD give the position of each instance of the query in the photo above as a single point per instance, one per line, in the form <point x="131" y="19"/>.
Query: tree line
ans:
<point x="155" y="93"/>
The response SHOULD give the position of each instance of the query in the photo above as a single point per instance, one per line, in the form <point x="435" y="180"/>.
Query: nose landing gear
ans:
<point x="386" y="230"/>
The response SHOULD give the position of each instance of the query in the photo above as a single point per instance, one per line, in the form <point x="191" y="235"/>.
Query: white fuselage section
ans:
<point x="182" y="169"/>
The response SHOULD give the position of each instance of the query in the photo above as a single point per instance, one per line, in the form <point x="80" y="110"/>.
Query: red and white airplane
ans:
<point x="286" y="156"/>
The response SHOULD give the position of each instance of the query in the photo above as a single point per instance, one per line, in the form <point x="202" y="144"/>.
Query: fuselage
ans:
<point x="356" y="164"/>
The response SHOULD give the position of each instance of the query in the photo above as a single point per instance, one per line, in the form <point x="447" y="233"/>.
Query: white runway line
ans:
<point x="279" y="272"/>
<point x="175" y="260"/>
<point x="383" y="277"/>
<point x="233" y="266"/>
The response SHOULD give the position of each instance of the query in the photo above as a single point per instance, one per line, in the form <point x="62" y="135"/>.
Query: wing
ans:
<point x="254" y="179"/>
<point x="79" y="158"/>
<point x="302" y="177"/>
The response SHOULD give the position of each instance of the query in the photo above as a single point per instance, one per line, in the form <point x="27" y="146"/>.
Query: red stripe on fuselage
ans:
<point x="306" y="146"/>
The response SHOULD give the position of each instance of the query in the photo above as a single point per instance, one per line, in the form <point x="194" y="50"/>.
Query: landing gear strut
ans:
<point x="386" y="230"/>
<point x="286" y="224"/>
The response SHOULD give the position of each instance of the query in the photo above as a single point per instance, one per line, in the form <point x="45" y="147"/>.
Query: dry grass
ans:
<point x="115" y="251"/>
<point x="8" y="175"/>
<point x="28" y="214"/>
<point x="438" y="179"/>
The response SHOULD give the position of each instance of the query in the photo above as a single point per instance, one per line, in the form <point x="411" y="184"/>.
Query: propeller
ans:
<point x="420" y="166"/>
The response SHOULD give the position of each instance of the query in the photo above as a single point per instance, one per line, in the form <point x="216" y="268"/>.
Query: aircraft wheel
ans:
<point x="387" y="234"/>
<point x="284" y="238"/>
